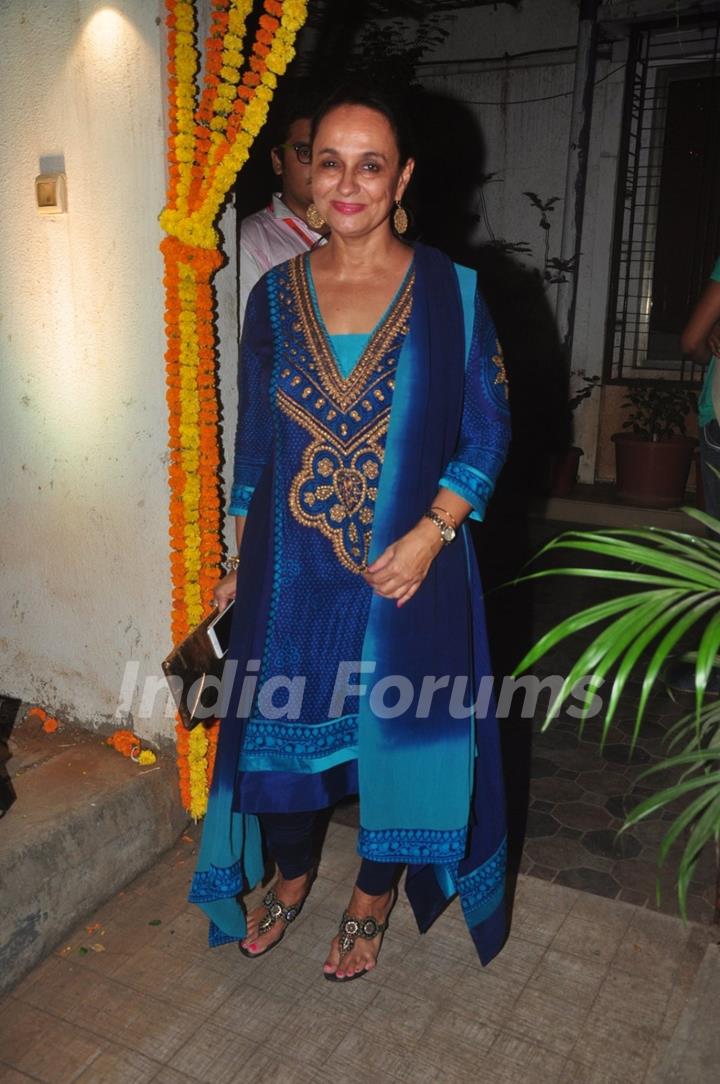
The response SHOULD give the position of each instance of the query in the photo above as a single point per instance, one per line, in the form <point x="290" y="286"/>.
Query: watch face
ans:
<point x="448" y="533"/>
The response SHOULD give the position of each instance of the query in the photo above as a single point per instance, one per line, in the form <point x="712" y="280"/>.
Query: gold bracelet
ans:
<point x="232" y="563"/>
<point x="450" y="516"/>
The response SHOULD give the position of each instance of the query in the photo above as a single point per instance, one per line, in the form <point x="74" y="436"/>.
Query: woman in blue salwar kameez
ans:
<point x="373" y="422"/>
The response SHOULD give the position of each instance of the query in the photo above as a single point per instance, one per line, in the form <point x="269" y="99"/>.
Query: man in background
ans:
<point x="701" y="342"/>
<point x="279" y="231"/>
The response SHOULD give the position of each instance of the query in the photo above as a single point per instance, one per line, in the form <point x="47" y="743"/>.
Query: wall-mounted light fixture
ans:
<point x="51" y="193"/>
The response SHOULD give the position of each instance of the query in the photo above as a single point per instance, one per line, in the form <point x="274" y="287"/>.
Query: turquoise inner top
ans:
<point x="349" y="348"/>
<point x="348" y="351"/>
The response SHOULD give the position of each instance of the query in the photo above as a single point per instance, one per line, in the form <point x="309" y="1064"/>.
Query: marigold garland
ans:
<point x="210" y="136"/>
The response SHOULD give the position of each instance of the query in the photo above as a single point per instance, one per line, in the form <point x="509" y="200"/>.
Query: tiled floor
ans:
<point x="580" y="792"/>
<point x="587" y="991"/>
<point x="578" y="799"/>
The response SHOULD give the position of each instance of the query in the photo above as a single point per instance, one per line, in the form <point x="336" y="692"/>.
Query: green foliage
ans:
<point x="545" y="207"/>
<point x="587" y="385"/>
<point x="510" y="248"/>
<point x="364" y="41"/>
<point x="677" y="577"/>
<point x="555" y="268"/>
<point x="388" y="53"/>
<point x="658" y="410"/>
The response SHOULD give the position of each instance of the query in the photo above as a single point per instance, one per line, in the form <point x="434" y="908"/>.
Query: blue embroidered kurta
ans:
<point x="330" y="468"/>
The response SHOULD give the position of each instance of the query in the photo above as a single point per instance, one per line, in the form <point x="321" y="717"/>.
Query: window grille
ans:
<point x="667" y="219"/>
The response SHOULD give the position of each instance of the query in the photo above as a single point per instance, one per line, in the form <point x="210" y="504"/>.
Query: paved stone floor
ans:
<point x="587" y="991"/>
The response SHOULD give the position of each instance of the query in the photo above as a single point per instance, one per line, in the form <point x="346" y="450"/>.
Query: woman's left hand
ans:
<point x="398" y="572"/>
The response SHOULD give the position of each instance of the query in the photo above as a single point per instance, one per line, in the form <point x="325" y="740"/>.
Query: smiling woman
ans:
<point x="373" y="423"/>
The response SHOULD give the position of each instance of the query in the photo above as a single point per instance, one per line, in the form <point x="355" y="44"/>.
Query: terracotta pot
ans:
<point x="563" y="471"/>
<point x="652" y="474"/>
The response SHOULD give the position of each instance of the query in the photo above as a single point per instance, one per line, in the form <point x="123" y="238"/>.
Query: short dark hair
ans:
<point x="384" y="102"/>
<point x="296" y="102"/>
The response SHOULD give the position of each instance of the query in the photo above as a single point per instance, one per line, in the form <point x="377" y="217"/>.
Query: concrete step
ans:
<point x="86" y="822"/>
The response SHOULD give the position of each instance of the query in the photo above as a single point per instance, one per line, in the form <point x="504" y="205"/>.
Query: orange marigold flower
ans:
<point x="124" y="741"/>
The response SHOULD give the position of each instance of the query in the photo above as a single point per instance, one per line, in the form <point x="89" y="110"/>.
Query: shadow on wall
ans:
<point x="450" y="172"/>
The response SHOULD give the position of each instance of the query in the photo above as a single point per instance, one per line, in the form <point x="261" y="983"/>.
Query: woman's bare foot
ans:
<point x="363" y="955"/>
<point x="289" y="893"/>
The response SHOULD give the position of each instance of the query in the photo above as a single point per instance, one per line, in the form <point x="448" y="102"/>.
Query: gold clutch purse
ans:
<point x="196" y="665"/>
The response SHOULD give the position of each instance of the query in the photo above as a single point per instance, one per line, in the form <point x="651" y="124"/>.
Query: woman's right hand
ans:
<point x="224" y="590"/>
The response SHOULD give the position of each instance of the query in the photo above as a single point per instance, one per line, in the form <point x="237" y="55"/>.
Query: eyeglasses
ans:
<point x="303" y="151"/>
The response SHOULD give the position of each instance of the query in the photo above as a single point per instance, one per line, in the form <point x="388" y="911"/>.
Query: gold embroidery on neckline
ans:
<point x="345" y="393"/>
<point x="320" y="432"/>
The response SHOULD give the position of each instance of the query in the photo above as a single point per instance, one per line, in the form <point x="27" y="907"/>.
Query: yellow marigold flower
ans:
<point x="230" y="75"/>
<point x="146" y="757"/>
<point x="275" y="62"/>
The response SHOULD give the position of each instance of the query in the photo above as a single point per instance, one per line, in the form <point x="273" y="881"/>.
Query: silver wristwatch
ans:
<point x="447" y="533"/>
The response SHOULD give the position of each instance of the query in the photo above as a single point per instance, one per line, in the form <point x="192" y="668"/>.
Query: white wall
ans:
<point x="83" y="530"/>
<point x="596" y="248"/>
<point x="522" y="102"/>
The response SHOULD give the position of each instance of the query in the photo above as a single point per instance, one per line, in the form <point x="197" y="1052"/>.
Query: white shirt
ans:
<point x="267" y="238"/>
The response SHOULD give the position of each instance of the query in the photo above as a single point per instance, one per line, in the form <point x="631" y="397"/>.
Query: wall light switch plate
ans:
<point x="51" y="193"/>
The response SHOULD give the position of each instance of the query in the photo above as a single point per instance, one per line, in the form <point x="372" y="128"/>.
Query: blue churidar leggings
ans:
<point x="290" y="841"/>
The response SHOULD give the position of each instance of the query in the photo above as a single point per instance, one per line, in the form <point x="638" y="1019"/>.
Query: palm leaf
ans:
<point x="702" y="605"/>
<point x="603" y="652"/>
<point x="707" y="652"/>
<point x="678" y="592"/>
<point x="690" y="570"/>
<point x="668" y="615"/>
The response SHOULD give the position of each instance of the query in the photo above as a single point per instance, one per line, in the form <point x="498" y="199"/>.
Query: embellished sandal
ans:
<point x="350" y="929"/>
<point x="275" y="910"/>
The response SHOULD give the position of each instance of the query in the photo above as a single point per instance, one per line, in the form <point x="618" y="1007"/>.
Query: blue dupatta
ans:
<point x="430" y="789"/>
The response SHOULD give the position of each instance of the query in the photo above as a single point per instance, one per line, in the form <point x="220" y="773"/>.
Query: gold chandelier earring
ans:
<point x="314" y="219"/>
<point x="400" y="218"/>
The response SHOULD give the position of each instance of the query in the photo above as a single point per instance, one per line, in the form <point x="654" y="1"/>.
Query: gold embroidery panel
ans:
<point x="335" y="491"/>
<point x="345" y="393"/>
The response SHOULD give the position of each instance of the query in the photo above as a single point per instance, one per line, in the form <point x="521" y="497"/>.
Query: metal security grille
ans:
<point x="667" y="225"/>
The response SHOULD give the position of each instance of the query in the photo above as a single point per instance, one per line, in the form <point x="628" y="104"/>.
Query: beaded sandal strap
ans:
<point x="351" y="928"/>
<point x="276" y="909"/>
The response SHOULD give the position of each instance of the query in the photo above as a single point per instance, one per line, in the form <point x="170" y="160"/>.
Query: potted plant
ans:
<point x="564" y="465"/>
<point x="653" y="459"/>
<point x="677" y="600"/>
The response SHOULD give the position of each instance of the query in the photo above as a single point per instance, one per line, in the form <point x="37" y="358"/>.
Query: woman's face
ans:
<point x="356" y="174"/>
